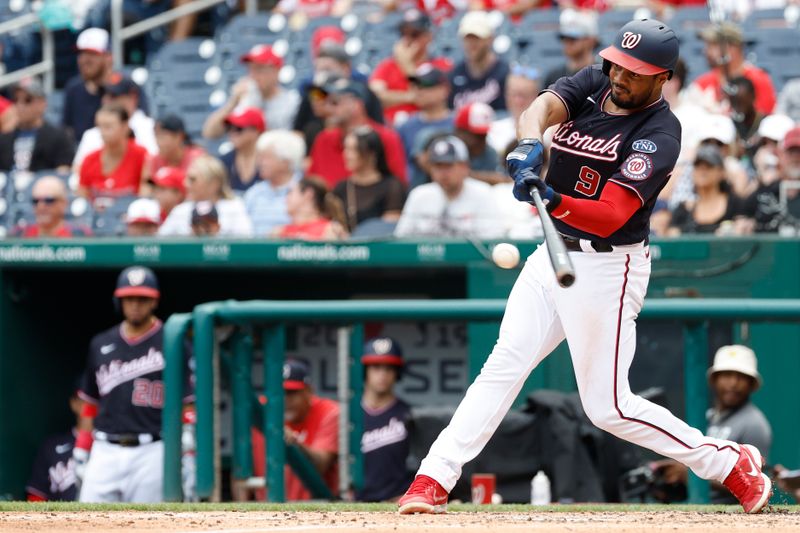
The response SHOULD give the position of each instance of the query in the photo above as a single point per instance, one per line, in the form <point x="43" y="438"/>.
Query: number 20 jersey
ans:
<point x="124" y="379"/>
<point x="637" y="151"/>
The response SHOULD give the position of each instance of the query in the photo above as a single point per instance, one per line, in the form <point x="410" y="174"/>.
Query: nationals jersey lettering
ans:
<point x="637" y="151"/>
<point x="124" y="379"/>
<point x="53" y="473"/>
<point x="385" y="444"/>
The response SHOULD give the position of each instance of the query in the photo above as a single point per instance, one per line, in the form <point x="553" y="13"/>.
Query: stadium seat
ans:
<point x="766" y="18"/>
<point x="613" y="19"/>
<point x="689" y="20"/>
<point x="182" y="54"/>
<point x="540" y="20"/>
<point x="108" y="219"/>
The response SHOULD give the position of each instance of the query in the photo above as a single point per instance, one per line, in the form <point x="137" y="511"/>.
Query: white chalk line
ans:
<point x="366" y="527"/>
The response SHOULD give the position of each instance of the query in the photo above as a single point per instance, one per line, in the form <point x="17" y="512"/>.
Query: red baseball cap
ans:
<point x="792" y="138"/>
<point x="326" y="34"/>
<point x="170" y="178"/>
<point x="476" y="118"/>
<point x="247" y="117"/>
<point x="263" y="54"/>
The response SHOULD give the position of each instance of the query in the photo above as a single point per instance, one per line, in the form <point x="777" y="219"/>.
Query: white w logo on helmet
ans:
<point x="630" y="40"/>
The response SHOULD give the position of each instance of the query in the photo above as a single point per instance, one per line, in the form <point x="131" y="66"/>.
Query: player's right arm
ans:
<point x="545" y="111"/>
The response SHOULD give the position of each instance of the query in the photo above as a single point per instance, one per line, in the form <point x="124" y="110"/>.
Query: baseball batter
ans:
<point x="124" y="394"/>
<point x="613" y="151"/>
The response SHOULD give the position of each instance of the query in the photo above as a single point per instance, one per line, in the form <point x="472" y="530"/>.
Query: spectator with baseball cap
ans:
<point x="715" y="209"/>
<point x="434" y="116"/>
<point x="83" y="93"/>
<point x="731" y="63"/>
<point x="390" y="81"/>
<point x="578" y="32"/>
<point x="143" y="218"/>
<point x="776" y="201"/>
<point x="522" y="87"/>
<point x="348" y="112"/>
<point x="34" y="144"/>
<point x="771" y="131"/>
<point x="50" y="200"/>
<point x="311" y="424"/>
<point x="733" y="379"/>
<point x="168" y="189"/>
<point x="331" y="61"/>
<point x="175" y="146"/>
<point x="244" y="126"/>
<point x="385" y="441"/>
<point x="481" y="75"/>
<point x="207" y="181"/>
<point x="205" y="220"/>
<point x="121" y="91"/>
<point x="454" y="204"/>
<point x="472" y="125"/>
<point x="260" y="88"/>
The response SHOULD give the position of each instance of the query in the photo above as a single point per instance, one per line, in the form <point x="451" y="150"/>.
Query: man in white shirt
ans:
<point x="259" y="88"/>
<point x="123" y="91"/>
<point x="522" y="87"/>
<point x="453" y="205"/>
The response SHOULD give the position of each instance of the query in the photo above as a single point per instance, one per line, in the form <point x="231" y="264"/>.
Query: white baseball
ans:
<point x="505" y="255"/>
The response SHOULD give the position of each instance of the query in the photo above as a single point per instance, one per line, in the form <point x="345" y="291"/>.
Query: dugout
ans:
<point x="55" y="295"/>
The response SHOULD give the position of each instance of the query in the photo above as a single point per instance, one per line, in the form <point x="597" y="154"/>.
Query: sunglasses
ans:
<point x="412" y="34"/>
<point x="25" y="100"/>
<point x="317" y="95"/>
<point x="230" y="128"/>
<point x="47" y="200"/>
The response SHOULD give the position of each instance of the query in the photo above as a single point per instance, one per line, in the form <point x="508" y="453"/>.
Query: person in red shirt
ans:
<point x="169" y="189"/>
<point x="346" y="98"/>
<point x="117" y="168"/>
<point x="175" y="146"/>
<point x="389" y="80"/>
<point x="312" y="424"/>
<point x="316" y="213"/>
<point x="49" y="197"/>
<point x="711" y="82"/>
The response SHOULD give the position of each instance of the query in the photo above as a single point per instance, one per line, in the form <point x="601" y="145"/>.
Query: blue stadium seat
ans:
<point x="181" y="54"/>
<point x="541" y="20"/>
<point x="689" y="20"/>
<point x="765" y="18"/>
<point x="612" y="20"/>
<point x="110" y="220"/>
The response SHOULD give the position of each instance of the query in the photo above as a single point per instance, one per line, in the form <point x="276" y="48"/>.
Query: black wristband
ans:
<point x="554" y="202"/>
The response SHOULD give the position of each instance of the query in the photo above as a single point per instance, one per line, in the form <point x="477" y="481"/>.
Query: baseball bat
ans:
<point x="559" y="258"/>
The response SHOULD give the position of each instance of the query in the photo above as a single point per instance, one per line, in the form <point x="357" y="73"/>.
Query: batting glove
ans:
<point x="528" y="154"/>
<point x="522" y="189"/>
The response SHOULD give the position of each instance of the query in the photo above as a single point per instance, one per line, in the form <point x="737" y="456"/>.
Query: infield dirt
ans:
<point x="387" y="522"/>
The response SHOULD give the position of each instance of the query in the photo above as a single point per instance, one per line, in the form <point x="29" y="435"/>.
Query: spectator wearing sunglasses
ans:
<point x="389" y="80"/>
<point x="578" y="33"/>
<point x="244" y="127"/>
<point x="49" y="198"/>
<point x="481" y="75"/>
<point x="34" y="144"/>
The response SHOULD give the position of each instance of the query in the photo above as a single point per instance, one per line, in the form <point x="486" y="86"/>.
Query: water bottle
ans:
<point x="540" y="489"/>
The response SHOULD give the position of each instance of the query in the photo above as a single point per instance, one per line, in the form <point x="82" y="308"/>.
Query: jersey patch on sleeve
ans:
<point x="645" y="146"/>
<point x="637" y="166"/>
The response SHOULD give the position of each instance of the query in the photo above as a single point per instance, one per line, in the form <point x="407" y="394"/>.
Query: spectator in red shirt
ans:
<point x="169" y="188"/>
<point x="347" y="113"/>
<point x="175" y="146"/>
<point x="389" y="80"/>
<point x="316" y="213"/>
<point x="711" y="82"/>
<point x="116" y="169"/>
<point x="49" y="197"/>
<point x="312" y="424"/>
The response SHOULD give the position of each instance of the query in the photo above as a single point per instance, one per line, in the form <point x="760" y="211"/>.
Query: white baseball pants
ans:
<point x="597" y="315"/>
<point x="117" y="473"/>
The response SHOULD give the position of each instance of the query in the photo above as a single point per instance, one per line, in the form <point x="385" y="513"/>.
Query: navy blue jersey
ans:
<point x="385" y="445"/>
<point x="489" y="88"/>
<point x="124" y="379"/>
<point x="637" y="151"/>
<point x="53" y="473"/>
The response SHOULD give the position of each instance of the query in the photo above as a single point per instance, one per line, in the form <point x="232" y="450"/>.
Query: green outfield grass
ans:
<point x="368" y="507"/>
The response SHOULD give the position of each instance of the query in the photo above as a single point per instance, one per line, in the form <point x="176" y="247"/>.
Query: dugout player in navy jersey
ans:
<point x="118" y="451"/>
<point x="53" y="472"/>
<point x="385" y="441"/>
<point x="614" y="148"/>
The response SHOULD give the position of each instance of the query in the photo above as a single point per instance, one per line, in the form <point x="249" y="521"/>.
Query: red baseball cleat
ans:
<point x="425" y="495"/>
<point x="746" y="481"/>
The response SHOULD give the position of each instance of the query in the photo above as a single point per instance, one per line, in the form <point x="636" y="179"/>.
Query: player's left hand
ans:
<point x="522" y="187"/>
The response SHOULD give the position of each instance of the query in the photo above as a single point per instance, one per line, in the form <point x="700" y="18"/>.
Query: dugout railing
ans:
<point x="272" y="318"/>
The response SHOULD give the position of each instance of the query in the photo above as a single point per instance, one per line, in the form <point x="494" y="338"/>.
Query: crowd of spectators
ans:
<point x="415" y="147"/>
